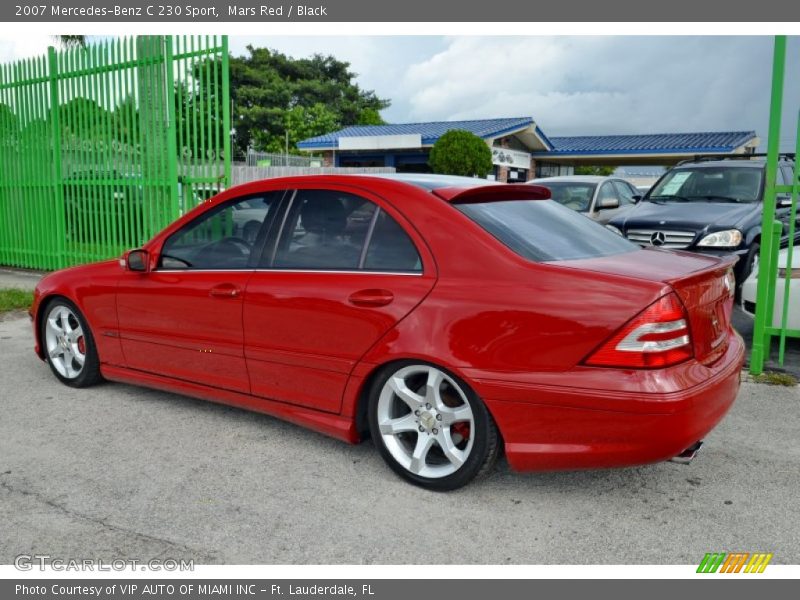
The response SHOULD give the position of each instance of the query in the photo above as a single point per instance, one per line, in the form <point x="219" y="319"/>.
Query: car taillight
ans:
<point x="658" y="337"/>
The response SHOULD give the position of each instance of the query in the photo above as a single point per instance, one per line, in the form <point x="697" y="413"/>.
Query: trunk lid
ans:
<point x="701" y="282"/>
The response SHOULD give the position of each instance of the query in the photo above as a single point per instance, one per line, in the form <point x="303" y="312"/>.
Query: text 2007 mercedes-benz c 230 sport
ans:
<point x="447" y="318"/>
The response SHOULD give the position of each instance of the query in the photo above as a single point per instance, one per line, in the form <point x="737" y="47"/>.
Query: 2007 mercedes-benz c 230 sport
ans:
<point x="447" y="318"/>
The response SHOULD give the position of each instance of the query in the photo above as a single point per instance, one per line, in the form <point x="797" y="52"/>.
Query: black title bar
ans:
<point x="441" y="11"/>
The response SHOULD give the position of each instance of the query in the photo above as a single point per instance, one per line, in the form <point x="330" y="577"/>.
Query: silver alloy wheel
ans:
<point x="66" y="345"/>
<point x="425" y="421"/>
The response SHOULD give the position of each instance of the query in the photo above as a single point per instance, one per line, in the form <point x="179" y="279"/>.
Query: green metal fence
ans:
<point x="101" y="147"/>
<point x="773" y="299"/>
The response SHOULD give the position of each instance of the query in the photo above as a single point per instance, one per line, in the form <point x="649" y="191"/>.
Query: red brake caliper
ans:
<point x="461" y="428"/>
<point x="81" y="345"/>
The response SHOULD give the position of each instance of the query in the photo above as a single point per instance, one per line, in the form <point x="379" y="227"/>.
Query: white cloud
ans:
<point x="16" y="47"/>
<point x="597" y="85"/>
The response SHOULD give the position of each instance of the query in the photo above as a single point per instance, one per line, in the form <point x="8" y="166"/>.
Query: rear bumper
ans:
<point x="562" y="427"/>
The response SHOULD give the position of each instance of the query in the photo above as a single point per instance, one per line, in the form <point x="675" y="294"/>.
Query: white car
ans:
<point x="750" y="286"/>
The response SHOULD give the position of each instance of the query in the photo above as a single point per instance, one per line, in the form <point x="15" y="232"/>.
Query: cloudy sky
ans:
<point x="571" y="85"/>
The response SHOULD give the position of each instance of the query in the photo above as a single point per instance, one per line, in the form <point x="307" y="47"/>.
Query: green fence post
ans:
<point x="774" y="234"/>
<point x="766" y="275"/>
<point x="226" y="111"/>
<point x="61" y="226"/>
<point x="172" y="130"/>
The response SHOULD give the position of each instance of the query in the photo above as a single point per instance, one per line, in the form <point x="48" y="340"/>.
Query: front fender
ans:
<point x="92" y="288"/>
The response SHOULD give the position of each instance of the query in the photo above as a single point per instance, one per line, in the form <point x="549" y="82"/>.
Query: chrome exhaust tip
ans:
<point x="687" y="455"/>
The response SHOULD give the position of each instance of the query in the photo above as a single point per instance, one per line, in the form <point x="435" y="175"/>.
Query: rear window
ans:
<point x="543" y="230"/>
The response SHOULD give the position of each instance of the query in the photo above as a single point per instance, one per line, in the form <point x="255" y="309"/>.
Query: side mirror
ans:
<point x="137" y="260"/>
<point x="637" y="198"/>
<point x="606" y="203"/>
<point x="784" y="201"/>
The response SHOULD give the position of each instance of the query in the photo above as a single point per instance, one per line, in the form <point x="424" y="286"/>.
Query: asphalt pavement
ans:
<point x="117" y="471"/>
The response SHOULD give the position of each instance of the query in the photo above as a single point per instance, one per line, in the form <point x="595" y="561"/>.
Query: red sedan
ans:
<point x="445" y="318"/>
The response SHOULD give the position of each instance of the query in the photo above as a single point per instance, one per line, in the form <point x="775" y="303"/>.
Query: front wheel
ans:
<point x="69" y="346"/>
<point x="430" y="427"/>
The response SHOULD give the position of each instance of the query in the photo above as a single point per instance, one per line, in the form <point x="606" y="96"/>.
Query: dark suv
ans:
<point x="709" y="206"/>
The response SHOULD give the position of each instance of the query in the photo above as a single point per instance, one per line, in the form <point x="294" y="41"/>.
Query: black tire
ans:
<point x="486" y="440"/>
<point x="748" y="260"/>
<point x="90" y="371"/>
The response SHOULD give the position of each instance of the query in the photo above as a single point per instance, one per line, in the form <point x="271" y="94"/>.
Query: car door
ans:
<point x="344" y="270"/>
<point x="183" y="319"/>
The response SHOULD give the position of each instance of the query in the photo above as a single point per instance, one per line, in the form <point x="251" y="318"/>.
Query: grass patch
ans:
<point x="772" y="378"/>
<point x="14" y="299"/>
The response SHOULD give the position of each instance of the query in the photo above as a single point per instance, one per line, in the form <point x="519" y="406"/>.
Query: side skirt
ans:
<point x="342" y="428"/>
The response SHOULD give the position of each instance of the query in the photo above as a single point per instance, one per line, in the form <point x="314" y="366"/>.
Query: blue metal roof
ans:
<point x="656" y="143"/>
<point x="430" y="132"/>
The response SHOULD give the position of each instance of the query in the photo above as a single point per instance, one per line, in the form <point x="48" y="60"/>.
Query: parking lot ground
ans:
<point x="122" y="472"/>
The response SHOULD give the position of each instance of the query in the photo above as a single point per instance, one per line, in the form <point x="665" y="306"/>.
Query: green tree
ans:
<point x="460" y="152"/>
<point x="273" y="93"/>
<point x="303" y="122"/>
<point x="596" y="170"/>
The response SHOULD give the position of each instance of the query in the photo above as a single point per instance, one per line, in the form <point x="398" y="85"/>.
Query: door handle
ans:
<point x="371" y="298"/>
<point x="224" y="290"/>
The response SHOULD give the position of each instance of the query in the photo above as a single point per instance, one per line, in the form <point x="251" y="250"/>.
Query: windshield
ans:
<point x="574" y="195"/>
<point x="543" y="230"/>
<point x="709" y="184"/>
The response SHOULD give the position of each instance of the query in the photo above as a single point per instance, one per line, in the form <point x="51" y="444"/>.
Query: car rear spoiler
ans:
<point x="492" y="193"/>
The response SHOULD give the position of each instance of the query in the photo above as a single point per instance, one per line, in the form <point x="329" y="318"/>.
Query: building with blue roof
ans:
<point x="520" y="149"/>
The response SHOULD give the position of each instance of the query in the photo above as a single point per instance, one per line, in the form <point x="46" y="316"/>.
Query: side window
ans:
<point x="222" y="238"/>
<point x="324" y="230"/>
<point x="390" y="248"/>
<point x="623" y="193"/>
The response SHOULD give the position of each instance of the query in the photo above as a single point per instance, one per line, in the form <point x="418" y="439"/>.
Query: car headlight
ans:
<point x="730" y="238"/>
<point x="614" y="229"/>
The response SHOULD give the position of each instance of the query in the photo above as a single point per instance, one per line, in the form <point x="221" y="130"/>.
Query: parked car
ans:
<point x="444" y="326"/>
<point x="750" y="287"/>
<point x="643" y="189"/>
<point x="599" y="198"/>
<point x="712" y="207"/>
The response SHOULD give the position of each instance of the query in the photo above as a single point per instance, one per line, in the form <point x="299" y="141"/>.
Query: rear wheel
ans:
<point x="430" y="427"/>
<point x="69" y="346"/>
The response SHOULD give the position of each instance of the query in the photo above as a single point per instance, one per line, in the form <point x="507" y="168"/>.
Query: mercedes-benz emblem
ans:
<point x="658" y="238"/>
